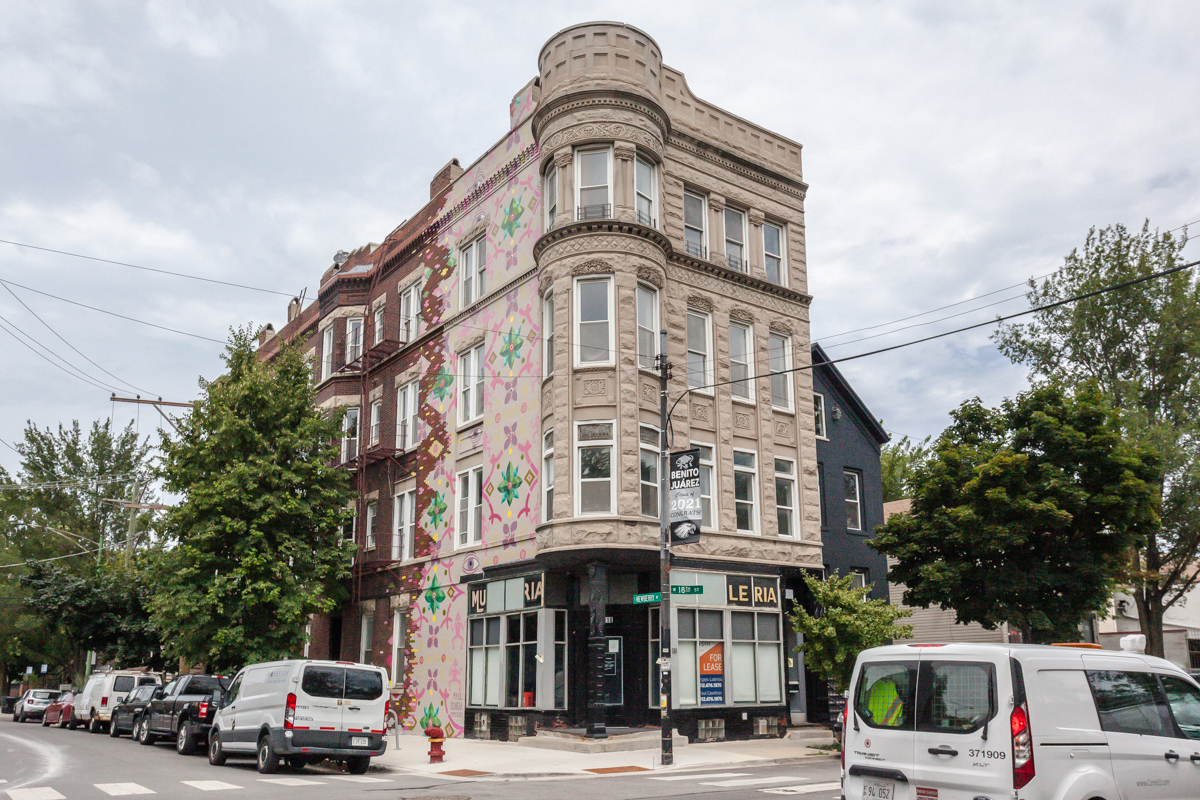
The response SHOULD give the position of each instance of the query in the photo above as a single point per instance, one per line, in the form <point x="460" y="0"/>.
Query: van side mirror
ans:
<point x="218" y="697"/>
<point x="158" y="694"/>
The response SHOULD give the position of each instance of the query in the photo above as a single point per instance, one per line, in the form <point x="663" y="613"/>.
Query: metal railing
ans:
<point x="736" y="263"/>
<point x="601" y="211"/>
<point x="697" y="250"/>
<point x="645" y="219"/>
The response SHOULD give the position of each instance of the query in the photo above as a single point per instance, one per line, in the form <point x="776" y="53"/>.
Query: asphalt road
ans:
<point x="39" y="763"/>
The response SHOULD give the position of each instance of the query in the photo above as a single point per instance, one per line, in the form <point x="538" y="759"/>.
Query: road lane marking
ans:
<point x="752" y="781"/>
<point x="121" y="789"/>
<point x="210" y="786"/>
<point x="358" y="778"/>
<point x="694" y="776"/>
<point x="36" y="793"/>
<point x="806" y="789"/>
<point x="290" y="781"/>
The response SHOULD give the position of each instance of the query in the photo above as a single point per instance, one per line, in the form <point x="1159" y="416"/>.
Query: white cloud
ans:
<point x="183" y="24"/>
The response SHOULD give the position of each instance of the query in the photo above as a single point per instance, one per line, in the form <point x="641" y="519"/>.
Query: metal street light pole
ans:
<point x="664" y="562"/>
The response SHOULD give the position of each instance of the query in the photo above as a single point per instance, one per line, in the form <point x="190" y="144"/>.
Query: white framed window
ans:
<point x="350" y="426"/>
<point x="741" y="360"/>
<point x="745" y="490"/>
<point x="470" y="387"/>
<point x="819" y="415"/>
<point x="708" y="500"/>
<point x="377" y="323"/>
<point x="406" y="416"/>
<point x="647" y="325"/>
<point x="366" y="638"/>
<point x="648" y="456"/>
<point x="327" y="353"/>
<point x="593" y="183"/>
<point x="404" y="525"/>
<point x="821" y="515"/>
<point x="548" y="335"/>
<point x="596" y="490"/>
<point x="780" y="352"/>
<point x="862" y="578"/>
<point x="550" y="196"/>
<point x="376" y="421"/>
<point x="471" y="268"/>
<point x="548" y="476"/>
<point x="644" y="191"/>
<point x="774" y="260"/>
<point x="399" y="640"/>
<point x="695" y="224"/>
<point x="785" y="497"/>
<point x="470" y="507"/>
<point x="699" y="350"/>
<point x="372" y="515"/>
<point x="735" y="239"/>
<point x="410" y="313"/>
<point x="354" y="339"/>
<point x="594" y="321"/>
<point x="755" y="657"/>
<point x="853" y="496"/>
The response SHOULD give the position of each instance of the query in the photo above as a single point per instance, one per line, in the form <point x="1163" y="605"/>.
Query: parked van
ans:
<point x="103" y="690"/>
<point x="304" y="711"/>
<point x="1029" y="722"/>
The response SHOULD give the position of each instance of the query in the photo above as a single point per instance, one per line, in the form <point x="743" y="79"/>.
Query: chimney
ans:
<point x="293" y="309"/>
<point x="266" y="334"/>
<point x="446" y="176"/>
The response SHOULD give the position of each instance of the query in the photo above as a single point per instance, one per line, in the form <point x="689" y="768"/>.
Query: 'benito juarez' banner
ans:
<point x="685" y="512"/>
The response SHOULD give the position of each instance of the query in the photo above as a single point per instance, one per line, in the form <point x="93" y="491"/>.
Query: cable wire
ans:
<point x="40" y="355"/>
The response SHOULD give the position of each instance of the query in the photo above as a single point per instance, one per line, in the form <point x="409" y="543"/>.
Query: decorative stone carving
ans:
<point x="741" y="420"/>
<point x="593" y="268"/>
<point x="624" y="151"/>
<point x="716" y="202"/>
<point x="699" y="303"/>
<point x="600" y="243"/>
<point x="564" y="158"/>
<point x="469" y="343"/>
<point x="595" y="388"/>
<point x="611" y="104"/>
<point x="781" y="326"/>
<point x="548" y="399"/>
<point x="650" y="275"/>
<point x="701" y="412"/>
<point x="649" y="393"/>
<point x="756" y="217"/>
<point x="783" y="430"/>
<point x="742" y="313"/>
<point x="615" y="131"/>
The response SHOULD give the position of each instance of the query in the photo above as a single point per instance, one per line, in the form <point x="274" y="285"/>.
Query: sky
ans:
<point x="951" y="149"/>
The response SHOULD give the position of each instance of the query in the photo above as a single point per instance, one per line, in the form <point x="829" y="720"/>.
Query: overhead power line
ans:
<point x="76" y="375"/>
<point x="147" y="269"/>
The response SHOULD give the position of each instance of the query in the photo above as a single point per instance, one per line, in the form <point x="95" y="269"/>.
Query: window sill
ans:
<point x="741" y="401"/>
<point x="783" y="409"/>
<point x="464" y="428"/>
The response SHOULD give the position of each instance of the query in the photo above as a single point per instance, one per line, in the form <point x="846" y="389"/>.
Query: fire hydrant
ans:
<point x="435" y="744"/>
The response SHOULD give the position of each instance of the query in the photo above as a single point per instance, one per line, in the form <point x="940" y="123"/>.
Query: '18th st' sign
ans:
<point x="684" y="513"/>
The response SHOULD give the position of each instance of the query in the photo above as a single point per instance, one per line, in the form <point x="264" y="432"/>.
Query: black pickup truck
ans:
<point x="182" y="710"/>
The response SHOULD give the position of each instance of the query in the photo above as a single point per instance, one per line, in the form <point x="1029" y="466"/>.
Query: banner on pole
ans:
<point x="685" y="513"/>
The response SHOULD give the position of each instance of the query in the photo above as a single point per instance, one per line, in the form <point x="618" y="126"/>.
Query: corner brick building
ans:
<point x="496" y="357"/>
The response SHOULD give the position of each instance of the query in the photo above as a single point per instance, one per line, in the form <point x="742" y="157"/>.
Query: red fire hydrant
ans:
<point x="435" y="744"/>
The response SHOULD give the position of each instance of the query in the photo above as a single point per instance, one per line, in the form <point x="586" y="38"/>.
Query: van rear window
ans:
<point x="147" y="681"/>
<point x="956" y="696"/>
<point x="123" y="683"/>
<point x="323" y="681"/>
<point x="884" y="698"/>
<point x="362" y="684"/>
<point x="45" y="695"/>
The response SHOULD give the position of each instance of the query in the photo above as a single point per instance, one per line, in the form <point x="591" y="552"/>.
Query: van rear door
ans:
<point x="319" y="701"/>
<point x="878" y="736"/>
<point x="364" y="706"/>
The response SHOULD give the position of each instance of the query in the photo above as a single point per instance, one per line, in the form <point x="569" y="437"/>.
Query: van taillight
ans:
<point x="845" y="723"/>
<point x="289" y="713"/>
<point x="103" y="702"/>
<point x="1022" y="745"/>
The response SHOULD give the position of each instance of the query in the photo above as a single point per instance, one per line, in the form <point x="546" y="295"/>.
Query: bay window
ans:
<point x="548" y="335"/>
<point x="350" y="434"/>
<point x="708" y="506"/>
<point x="648" y="456"/>
<point x="377" y="322"/>
<point x="593" y="321"/>
<point x="593" y="182"/>
<point x="550" y="196"/>
<point x="376" y="421"/>
<point x="699" y="348"/>
<point x="735" y="239"/>
<point x="644" y="190"/>
<point x="372" y="514"/>
<point x="695" y="225"/>
<point x="595" y="488"/>
<point x="354" y="339"/>
<point x="773" y="254"/>
<point x="327" y="353"/>
<point x="548" y="476"/>
<point x="647" y="326"/>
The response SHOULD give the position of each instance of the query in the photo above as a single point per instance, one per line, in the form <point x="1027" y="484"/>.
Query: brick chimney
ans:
<point x="446" y="176"/>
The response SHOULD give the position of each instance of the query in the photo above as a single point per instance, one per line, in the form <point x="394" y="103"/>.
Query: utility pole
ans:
<point x="664" y="560"/>
<point x="135" y="491"/>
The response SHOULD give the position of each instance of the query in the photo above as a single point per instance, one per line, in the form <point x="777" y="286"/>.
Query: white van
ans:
<point x="103" y="691"/>
<point x="1027" y="722"/>
<point x="304" y="711"/>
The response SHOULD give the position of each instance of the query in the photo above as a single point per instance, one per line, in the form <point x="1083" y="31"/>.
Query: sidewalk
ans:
<point x="488" y="760"/>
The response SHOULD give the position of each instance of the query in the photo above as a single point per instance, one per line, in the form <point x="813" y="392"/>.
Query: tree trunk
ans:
<point x="1150" y="618"/>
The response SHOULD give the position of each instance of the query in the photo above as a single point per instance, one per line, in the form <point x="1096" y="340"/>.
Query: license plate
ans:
<point x="362" y="741"/>
<point x="878" y="790"/>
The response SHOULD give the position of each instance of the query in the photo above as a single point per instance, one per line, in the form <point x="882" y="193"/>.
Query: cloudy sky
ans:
<point x="952" y="149"/>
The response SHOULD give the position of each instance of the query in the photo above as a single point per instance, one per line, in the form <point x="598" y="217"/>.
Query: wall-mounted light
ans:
<point x="837" y="413"/>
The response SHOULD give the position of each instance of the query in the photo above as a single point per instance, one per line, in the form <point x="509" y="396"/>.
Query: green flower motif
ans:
<point x="510" y="481"/>
<point x="436" y="509"/>
<point x="512" y="217"/>
<point x="510" y="351"/>
<point x="434" y="595"/>
<point x="430" y="717"/>
<point x="442" y="383"/>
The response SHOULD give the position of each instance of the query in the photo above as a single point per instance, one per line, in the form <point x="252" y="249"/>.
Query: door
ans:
<point x="160" y="708"/>
<point x="319" y="704"/>
<point x="961" y="745"/>
<point x="879" y="732"/>
<point x="363" y="706"/>
<point x="1183" y="697"/>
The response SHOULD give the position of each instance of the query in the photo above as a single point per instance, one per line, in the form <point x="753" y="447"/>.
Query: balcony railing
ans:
<point x="601" y="211"/>
<point x="696" y="249"/>
<point x="736" y="263"/>
<point x="646" y="219"/>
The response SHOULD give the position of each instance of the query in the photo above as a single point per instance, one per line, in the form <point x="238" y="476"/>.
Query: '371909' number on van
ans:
<point x="1000" y="754"/>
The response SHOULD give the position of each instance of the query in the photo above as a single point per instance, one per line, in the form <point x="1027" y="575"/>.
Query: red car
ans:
<point x="59" y="712"/>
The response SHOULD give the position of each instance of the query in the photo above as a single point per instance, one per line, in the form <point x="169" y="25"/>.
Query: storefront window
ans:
<point x="517" y="651"/>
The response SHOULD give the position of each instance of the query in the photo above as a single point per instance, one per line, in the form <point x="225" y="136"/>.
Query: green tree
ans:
<point x="1141" y="345"/>
<point x="898" y="462"/>
<point x="846" y="623"/>
<point x="256" y="541"/>
<point x="1024" y="514"/>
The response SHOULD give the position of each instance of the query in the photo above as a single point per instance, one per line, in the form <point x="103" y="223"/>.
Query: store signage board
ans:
<point x="685" y="512"/>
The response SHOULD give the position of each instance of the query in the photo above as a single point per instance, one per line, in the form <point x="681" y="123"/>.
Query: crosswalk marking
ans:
<point x="359" y="779"/>
<point x="36" y="793"/>
<point x="121" y="789"/>
<point x="210" y="786"/>
<point x="803" y="789"/>
<point x="694" y="777"/>
<point x="290" y="781"/>
<point x="752" y="781"/>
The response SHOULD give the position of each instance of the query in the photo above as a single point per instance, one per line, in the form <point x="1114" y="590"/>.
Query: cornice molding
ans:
<point x="616" y="98"/>
<point x="572" y="230"/>
<point x="708" y="268"/>
<point x="739" y="164"/>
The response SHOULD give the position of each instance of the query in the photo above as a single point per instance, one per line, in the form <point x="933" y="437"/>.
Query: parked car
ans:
<point x="127" y="714"/>
<point x="59" y="712"/>
<point x="102" y="692"/>
<point x="976" y="720"/>
<point x="33" y="703"/>
<point x="182" y="710"/>
<point x="302" y="711"/>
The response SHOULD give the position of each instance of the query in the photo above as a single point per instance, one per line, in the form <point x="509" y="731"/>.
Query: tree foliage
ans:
<point x="257" y="547"/>
<point x="1141" y="346"/>
<point x="846" y="623"/>
<point x="898" y="462"/>
<point x="1025" y="514"/>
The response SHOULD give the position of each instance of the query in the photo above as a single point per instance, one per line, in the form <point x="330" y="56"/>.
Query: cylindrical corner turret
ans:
<point x="601" y="55"/>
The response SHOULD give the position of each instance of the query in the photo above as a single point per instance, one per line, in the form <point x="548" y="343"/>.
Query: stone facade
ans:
<point x="615" y="194"/>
